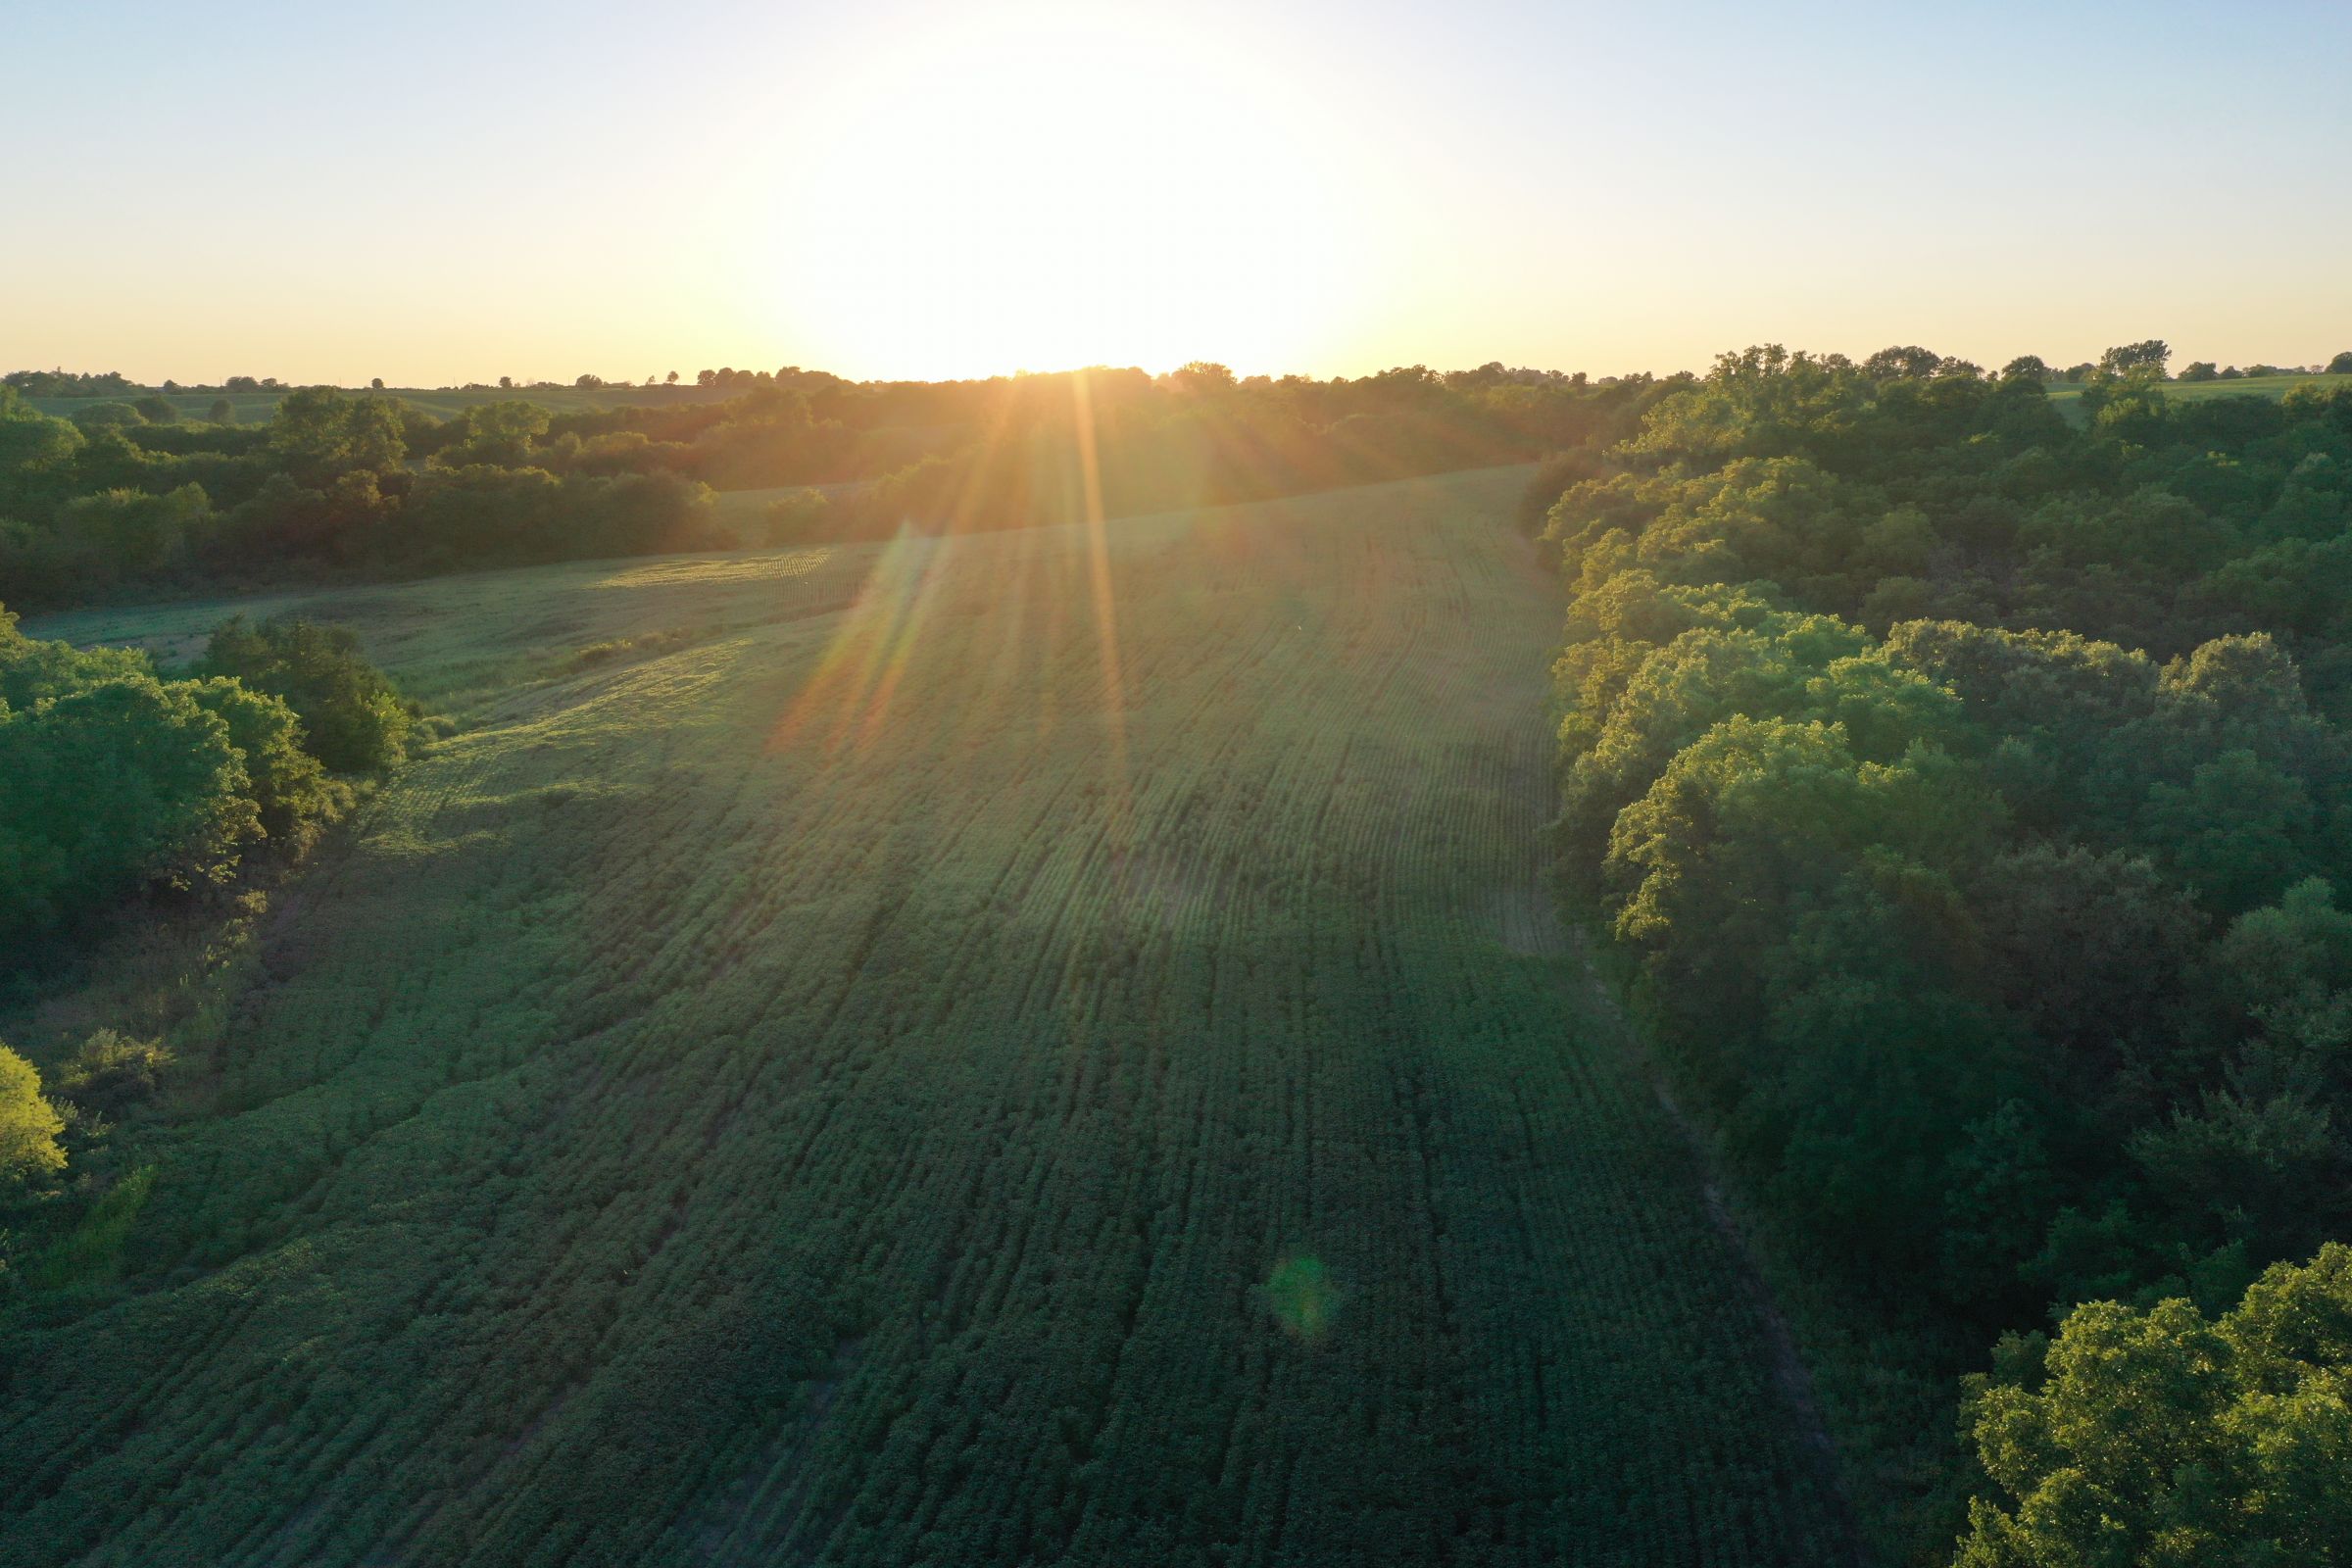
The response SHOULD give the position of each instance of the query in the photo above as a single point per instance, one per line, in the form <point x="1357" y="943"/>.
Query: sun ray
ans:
<point x="1107" y="620"/>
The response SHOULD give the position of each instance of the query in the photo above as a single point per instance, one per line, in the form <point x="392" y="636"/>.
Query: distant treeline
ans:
<point x="1972" y="787"/>
<point x="128" y="498"/>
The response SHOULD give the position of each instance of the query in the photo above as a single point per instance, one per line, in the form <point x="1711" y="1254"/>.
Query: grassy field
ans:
<point x="2066" y="394"/>
<point x="1039" y="1048"/>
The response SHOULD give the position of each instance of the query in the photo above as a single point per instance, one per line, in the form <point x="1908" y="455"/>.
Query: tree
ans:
<point x="320" y="433"/>
<point x="2341" y="364"/>
<point x="95" y="417"/>
<point x="110" y="1069"/>
<point x="29" y="1124"/>
<point x="375" y="384"/>
<point x="289" y="784"/>
<point x="119" y="783"/>
<point x="156" y="410"/>
<point x="1200" y="377"/>
<point x="795" y="518"/>
<point x="2202" y="371"/>
<point x="355" y="719"/>
<point x="2165" y="1438"/>
<point x="222" y="412"/>
<point x="115" y="534"/>
<point x="2137" y="358"/>
<point x="31" y="441"/>
<point x="2026" y="368"/>
<point x="499" y="433"/>
<point x="670" y="379"/>
<point x="1902" y="362"/>
<point x="2238" y="832"/>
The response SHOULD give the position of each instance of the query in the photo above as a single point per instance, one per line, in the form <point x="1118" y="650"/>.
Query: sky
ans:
<point x="438" y="193"/>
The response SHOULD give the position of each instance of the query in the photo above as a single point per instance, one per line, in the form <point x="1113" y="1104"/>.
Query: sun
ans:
<point x="1056" y="195"/>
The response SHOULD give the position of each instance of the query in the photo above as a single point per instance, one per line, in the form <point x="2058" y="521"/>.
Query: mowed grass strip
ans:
<point x="1039" y="1047"/>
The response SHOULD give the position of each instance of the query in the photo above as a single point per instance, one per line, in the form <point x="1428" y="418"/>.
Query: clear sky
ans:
<point x="440" y="192"/>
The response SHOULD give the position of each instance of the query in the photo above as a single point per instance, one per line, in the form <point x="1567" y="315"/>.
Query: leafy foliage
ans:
<point x="2159" y="1435"/>
<point x="29" y="1124"/>
<point x="1968" y="781"/>
<point x="114" y="779"/>
<point x="111" y="502"/>
<point x="354" y="719"/>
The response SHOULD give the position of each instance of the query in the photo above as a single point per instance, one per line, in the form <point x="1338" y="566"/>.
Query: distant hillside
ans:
<point x="256" y="408"/>
<point x="2065" y="396"/>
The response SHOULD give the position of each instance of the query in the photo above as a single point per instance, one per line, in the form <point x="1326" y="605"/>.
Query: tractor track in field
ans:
<point x="1789" y="1370"/>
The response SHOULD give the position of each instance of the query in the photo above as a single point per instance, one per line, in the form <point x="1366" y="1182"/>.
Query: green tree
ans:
<point x="30" y="439"/>
<point x="2145" y="357"/>
<point x="289" y="784"/>
<point x="2239" y="831"/>
<point x="355" y="719"/>
<point x="1910" y="360"/>
<point x="498" y="433"/>
<point x="2163" y="1438"/>
<point x="112" y="535"/>
<point x="96" y="416"/>
<point x="112" y="786"/>
<point x="109" y="1070"/>
<point x="29" y="1124"/>
<point x="320" y="433"/>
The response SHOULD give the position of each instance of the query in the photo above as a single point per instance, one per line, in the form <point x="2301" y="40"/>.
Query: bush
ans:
<point x="108" y="417"/>
<point x="108" y="788"/>
<point x="109" y="1070"/>
<point x="289" y="785"/>
<point x="355" y="719"/>
<point x="29" y="1124"/>
<point x="795" y="518"/>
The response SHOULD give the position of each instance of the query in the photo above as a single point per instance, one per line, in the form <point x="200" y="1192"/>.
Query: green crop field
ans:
<point x="1047" y="1047"/>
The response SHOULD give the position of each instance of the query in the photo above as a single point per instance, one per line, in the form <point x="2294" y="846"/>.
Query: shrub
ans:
<point x="356" y="721"/>
<point x="109" y="1070"/>
<point x="795" y="518"/>
<point x="29" y="1124"/>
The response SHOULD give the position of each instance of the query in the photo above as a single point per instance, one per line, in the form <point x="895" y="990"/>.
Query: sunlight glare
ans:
<point x="1070" y="193"/>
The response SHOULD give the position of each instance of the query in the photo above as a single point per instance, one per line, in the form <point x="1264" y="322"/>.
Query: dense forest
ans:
<point x="125" y="498"/>
<point x="1971" y="784"/>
